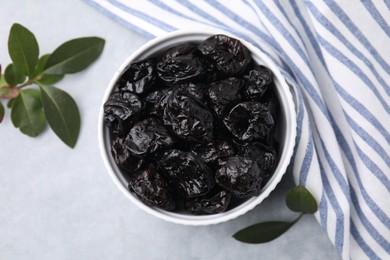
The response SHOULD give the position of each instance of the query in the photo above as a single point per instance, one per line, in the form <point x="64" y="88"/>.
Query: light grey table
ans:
<point x="59" y="203"/>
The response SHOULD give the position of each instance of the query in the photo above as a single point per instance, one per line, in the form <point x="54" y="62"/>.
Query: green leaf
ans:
<point x="74" y="55"/>
<point x="45" y="79"/>
<point x="40" y="66"/>
<point x="62" y="114"/>
<point x="262" y="232"/>
<point x="2" y="111"/>
<point x="27" y="114"/>
<point x="13" y="76"/>
<point x="10" y="102"/>
<point x="299" y="199"/>
<point x="50" y="79"/>
<point x="23" y="49"/>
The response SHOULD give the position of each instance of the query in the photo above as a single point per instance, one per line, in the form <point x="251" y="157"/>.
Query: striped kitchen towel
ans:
<point x="336" y="55"/>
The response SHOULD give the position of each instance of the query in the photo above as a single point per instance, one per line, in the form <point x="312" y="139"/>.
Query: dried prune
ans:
<point x="265" y="156"/>
<point x="186" y="173"/>
<point x="188" y="117"/>
<point x="240" y="175"/>
<point x="229" y="54"/>
<point x="195" y="90"/>
<point x="257" y="82"/>
<point x="249" y="121"/>
<point x="214" y="151"/>
<point x="121" y="107"/>
<point x="152" y="189"/>
<point x="138" y="77"/>
<point x="181" y="63"/>
<point x="224" y="93"/>
<point x="152" y="101"/>
<point x="123" y="157"/>
<point x="146" y="137"/>
<point x="209" y="204"/>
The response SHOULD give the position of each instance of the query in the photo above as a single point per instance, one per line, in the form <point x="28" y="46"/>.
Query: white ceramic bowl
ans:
<point x="286" y="133"/>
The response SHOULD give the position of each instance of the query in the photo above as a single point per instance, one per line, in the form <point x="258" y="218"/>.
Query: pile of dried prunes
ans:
<point x="193" y="129"/>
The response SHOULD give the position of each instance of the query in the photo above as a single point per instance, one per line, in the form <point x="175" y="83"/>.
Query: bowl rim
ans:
<point x="284" y="93"/>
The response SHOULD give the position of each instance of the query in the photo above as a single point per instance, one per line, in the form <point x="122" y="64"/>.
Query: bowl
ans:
<point x="285" y="135"/>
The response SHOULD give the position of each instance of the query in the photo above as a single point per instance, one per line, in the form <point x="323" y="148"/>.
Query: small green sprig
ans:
<point x="27" y="83"/>
<point x="298" y="199"/>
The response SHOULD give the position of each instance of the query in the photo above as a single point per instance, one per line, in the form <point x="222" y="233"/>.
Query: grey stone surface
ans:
<point x="59" y="203"/>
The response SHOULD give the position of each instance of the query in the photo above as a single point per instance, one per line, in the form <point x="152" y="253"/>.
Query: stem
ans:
<point x="29" y="82"/>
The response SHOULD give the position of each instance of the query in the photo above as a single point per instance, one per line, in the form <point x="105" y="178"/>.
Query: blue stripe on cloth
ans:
<point x="367" y="224"/>
<point x="167" y="8"/>
<point x="387" y="2"/>
<point x="316" y="47"/>
<point x="369" y="140"/>
<point x="309" y="88"/>
<point x="337" y="34"/>
<point x="354" y="68"/>
<point x="283" y="30"/>
<point x="363" y="111"/>
<point x="308" y="32"/>
<point x="359" y="239"/>
<point x="367" y="198"/>
<point x="339" y="230"/>
<point x="144" y="16"/>
<point x="323" y="211"/>
<point x="376" y="15"/>
<point x="120" y="19"/>
<point x="300" y="116"/>
<point x="360" y="108"/>
<point x="213" y="23"/>
<point x="200" y="12"/>
<point x="378" y="173"/>
<point x="357" y="33"/>
<point x="307" y="160"/>
<point x="337" y="174"/>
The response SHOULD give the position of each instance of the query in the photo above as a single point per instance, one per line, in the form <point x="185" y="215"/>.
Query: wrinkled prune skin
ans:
<point x="152" y="189"/>
<point x="230" y="55"/>
<point x="124" y="158"/>
<point x="187" y="116"/>
<point x="214" y="151"/>
<point x="121" y="108"/>
<point x="249" y="121"/>
<point x="181" y="63"/>
<point x="257" y="82"/>
<point x="195" y="90"/>
<point x="152" y="101"/>
<point x="138" y="77"/>
<point x="209" y="204"/>
<point x="147" y="136"/>
<point x="264" y="155"/>
<point x="186" y="173"/>
<point x="224" y="93"/>
<point x="241" y="176"/>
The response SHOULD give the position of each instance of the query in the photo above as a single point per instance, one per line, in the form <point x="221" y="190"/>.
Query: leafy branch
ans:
<point x="298" y="199"/>
<point x="31" y="107"/>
